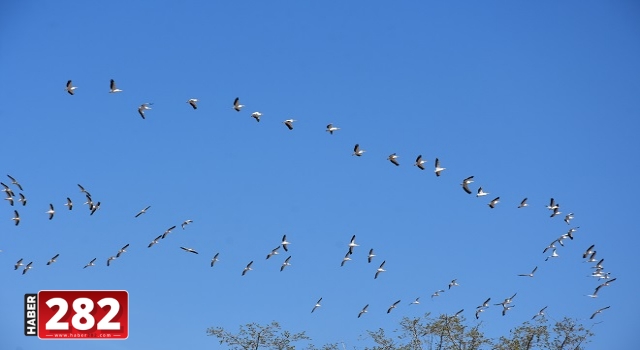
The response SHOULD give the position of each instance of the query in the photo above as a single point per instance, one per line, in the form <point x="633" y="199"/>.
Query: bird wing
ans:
<point x="465" y="188"/>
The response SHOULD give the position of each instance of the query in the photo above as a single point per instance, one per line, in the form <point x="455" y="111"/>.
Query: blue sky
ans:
<point x="535" y="100"/>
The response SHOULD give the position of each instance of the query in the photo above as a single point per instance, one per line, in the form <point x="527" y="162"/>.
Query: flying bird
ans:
<point x="437" y="293"/>
<point x="554" y="254"/>
<point x="523" y="203"/>
<point x="52" y="260"/>
<point x="481" y="192"/>
<point x="346" y="258"/>
<point x="70" y="87"/>
<point x="530" y="274"/>
<point x="598" y="265"/>
<point x="352" y="244"/>
<point x="416" y="302"/>
<point x="508" y="300"/>
<point x="27" y="268"/>
<point x="215" y="259"/>
<point x="69" y="204"/>
<point x="493" y="203"/>
<point x="18" y="264"/>
<point x="274" y="251"/>
<point x="420" y="162"/>
<point x="185" y="223"/>
<point x="552" y="204"/>
<point x="453" y="283"/>
<point x="598" y="311"/>
<point x="506" y="308"/>
<point x="357" y="151"/>
<point x="607" y="283"/>
<point x="478" y="311"/>
<point x="438" y="169"/>
<point x="595" y="293"/>
<point x="193" y="102"/>
<point x="485" y="304"/>
<point x="331" y="128"/>
<point x="143" y="211"/>
<point x="550" y="246"/>
<point x="94" y="208"/>
<point x="568" y="218"/>
<point x="14" y="182"/>
<point x="569" y="235"/>
<point x="588" y="251"/>
<point x="289" y="123"/>
<point x="556" y="212"/>
<point x="22" y="199"/>
<point x="393" y="306"/>
<point x="371" y="255"/>
<point x="84" y="191"/>
<point x="363" y="311"/>
<point x="16" y="217"/>
<point x="6" y="189"/>
<point x="573" y="229"/>
<point x="89" y="202"/>
<point x="143" y="107"/>
<point x="10" y="199"/>
<point x="256" y="116"/>
<point x="236" y="104"/>
<point x="562" y="238"/>
<point x="155" y="241"/>
<point x="50" y="211"/>
<point x="248" y="268"/>
<point x="393" y="158"/>
<point x="190" y="250"/>
<point x="168" y="231"/>
<point x="465" y="184"/>
<point x="111" y="258"/>
<point x="285" y="263"/>
<point x="380" y="270"/>
<point x="592" y="257"/>
<point x="540" y="313"/>
<point x="122" y="250"/>
<point x="285" y="243"/>
<point x="91" y="263"/>
<point x="317" y="305"/>
<point x="113" y="88"/>
<point x="458" y="313"/>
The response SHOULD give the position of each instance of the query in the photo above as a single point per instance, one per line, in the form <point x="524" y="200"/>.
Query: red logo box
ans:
<point x="83" y="314"/>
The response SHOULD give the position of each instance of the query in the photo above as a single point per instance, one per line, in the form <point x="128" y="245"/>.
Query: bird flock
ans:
<point x="597" y="270"/>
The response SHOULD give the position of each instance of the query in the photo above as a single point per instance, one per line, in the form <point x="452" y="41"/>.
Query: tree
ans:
<point x="443" y="332"/>
<point x="253" y="336"/>
<point x="433" y="333"/>
<point x="449" y="333"/>
<point x="565" y="334"/>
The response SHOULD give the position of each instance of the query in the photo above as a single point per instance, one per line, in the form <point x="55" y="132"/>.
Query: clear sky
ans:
<point x="534" y="99"/>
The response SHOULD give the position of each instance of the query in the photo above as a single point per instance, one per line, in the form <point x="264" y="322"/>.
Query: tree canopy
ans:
<point x="427" y="332"/>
